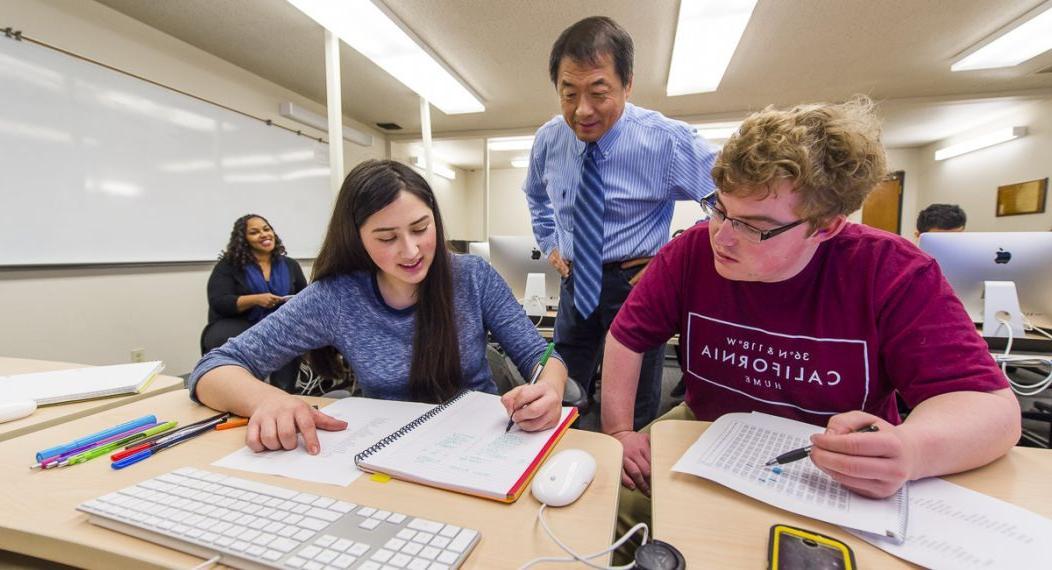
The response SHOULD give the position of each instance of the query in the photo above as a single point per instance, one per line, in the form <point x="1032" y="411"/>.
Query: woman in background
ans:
<point x="252" y="279"/>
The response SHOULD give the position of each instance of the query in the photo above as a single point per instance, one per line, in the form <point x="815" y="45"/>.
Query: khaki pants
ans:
<point x="633" y="506"/>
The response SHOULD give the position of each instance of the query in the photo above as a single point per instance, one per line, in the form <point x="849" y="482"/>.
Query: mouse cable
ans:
<point x="1007" y="359"/>
<point x="575" y="557"/>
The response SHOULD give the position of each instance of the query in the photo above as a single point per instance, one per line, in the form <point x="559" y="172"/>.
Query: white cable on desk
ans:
<point x="208" y="563"/>
<point x="1005" y="359"/>
<point x="575" y="557"/>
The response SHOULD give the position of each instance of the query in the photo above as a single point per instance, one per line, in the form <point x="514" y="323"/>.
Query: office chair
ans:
<point x="507" y="377"/>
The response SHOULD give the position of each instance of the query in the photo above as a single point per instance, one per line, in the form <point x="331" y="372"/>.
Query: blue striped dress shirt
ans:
<point x="647" y="162"/>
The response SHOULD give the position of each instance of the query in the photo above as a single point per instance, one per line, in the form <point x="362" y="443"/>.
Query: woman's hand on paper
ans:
<point x="278" y="419"/>
<point x="874" y="464"/>
<point x="534" y="406"/>
<point x="268" y="300"/>
<point x="635" y="469"/>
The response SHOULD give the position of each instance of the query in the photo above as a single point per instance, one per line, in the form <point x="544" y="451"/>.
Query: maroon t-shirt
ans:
<point x="868" y="316"/>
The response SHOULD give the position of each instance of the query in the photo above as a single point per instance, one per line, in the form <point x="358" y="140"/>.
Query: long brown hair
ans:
<point x="435" y="373"/>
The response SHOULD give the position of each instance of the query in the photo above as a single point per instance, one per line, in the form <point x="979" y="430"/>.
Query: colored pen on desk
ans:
<point x="233" y="423"/>
<point x="53" y="461"/>
<point x="104" y="449"/>
<point x="184" y="428"/>
<point x="533" y="379"/>
<point x="802" y="452"/>
<point x="94" y="438"/>
<point x="167" y="438"/>
<point x="161" y="446"/>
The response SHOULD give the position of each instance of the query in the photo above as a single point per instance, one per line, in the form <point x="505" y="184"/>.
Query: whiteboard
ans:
<point x="100" y="167"/>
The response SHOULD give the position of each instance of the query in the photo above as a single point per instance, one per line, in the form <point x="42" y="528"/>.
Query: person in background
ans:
<point x="601" y="186"/>
<point x="787" y="308"/>
<point x="941" y="218"/>
<point x="253" y="277"/>
<point x="410" y="318"/>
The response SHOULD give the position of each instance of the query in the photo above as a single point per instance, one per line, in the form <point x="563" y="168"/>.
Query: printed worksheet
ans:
<point x="733" y="451"/>
<point x="368" y="421"/>
<point x="955" y="527"/>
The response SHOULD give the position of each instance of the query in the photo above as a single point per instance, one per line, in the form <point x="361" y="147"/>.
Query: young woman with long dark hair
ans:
<point x="252" y="278"/>
<point x="410" y="318"/>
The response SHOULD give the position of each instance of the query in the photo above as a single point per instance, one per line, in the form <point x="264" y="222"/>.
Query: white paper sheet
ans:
<point x="367" y="420"/>
<point x="733" y="450"/>
<point x="955" y="527"/>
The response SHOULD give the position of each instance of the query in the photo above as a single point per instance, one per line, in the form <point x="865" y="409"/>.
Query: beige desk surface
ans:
<point x="715" y="527"/>
<point x="47" y="416"/>
<point x="38" y="517"/>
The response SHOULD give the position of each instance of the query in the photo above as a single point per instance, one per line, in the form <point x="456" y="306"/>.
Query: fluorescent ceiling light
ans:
<point x="305" y="117"/>
<point x="443" y="170"/>
<point x="371" y="31"/>
<point x="707" y="33"/>
<point x="511" y="143"/>
<point x="717" y="131"/>
<point x="1029" y="36"/>
<point x="521" y="162"/>
<point x="982" y="141"/>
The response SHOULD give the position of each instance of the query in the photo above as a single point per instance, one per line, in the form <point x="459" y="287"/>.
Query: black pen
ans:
<point x="802" y="452"/>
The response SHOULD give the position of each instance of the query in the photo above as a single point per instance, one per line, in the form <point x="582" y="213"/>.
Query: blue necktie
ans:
<point x="588" y="236"/>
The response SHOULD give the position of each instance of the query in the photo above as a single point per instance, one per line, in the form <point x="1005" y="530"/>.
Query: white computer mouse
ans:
<point x="563" y="477"/>
<point x="16" y="409"/>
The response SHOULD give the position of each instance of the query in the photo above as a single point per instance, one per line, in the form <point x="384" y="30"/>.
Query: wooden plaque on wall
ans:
<point x="1022" y="198"/>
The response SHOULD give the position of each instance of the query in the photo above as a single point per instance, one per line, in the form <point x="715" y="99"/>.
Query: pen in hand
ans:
<point x="533" y="379"/>
<point x="802" y="452"/>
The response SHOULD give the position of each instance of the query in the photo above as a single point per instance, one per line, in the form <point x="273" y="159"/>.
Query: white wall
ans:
<point x="910" y="162"/>
<point x="971" y="180"/>
<point x="96" y="316"/>
<point x="508" y="213"/>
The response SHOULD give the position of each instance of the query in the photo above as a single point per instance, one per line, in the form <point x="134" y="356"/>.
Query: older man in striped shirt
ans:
<point x="601" y="186"/>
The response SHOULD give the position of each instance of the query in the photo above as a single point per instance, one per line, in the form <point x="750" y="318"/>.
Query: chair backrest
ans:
<point x="504" y="373"/>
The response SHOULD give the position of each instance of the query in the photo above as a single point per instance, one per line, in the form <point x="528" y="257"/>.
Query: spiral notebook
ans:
<point x="60" y="386"/>
<point x="733" y="450"/>
<point x="461" y="446"/>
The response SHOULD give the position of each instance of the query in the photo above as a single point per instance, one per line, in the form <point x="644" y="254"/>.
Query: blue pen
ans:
<point x="95" y="437"/>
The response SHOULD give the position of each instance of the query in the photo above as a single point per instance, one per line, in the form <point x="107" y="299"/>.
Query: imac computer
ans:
<point x="515" y="257"/>
<point x="979" y="266"/>
<point x="479" y="248"/>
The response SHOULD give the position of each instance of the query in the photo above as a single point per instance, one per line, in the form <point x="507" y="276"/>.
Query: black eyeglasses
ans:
<point x="756" y="235"/>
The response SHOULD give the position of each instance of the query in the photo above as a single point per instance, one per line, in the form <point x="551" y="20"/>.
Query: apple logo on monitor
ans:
<point x="536" y="254"/>
<point x="1002" y="256"/>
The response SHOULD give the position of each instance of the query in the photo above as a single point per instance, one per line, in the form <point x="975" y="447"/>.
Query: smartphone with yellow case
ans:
<point x="791" y="548"/>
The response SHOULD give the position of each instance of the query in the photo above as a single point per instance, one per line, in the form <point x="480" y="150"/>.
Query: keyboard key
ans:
<point x="323" y="502"/>
<point x="425" y="525"/>
<point x="399" y="560"/>
<point x="430" y="553"/>
<point x="343" y="506"/>
<point x="358" y="549"/>
<point x="305" y="498"/>
<point x="303" y="534"/>
<point x="395" y="544"/>
<point x="366" y="511"/>
<point x="437" y="566"/>
<point x="369" y="524"/>
<point x="423" y="537"/>
<point x="396" y="518"/>
<point x="382" y="555"/>
<point x="344" y="561"/>
<point x="295" y="562"/>
<point x="406" y="534"/>
<point x="342" y="544"/>
<point x="325" y="540"/>
<point x="283" y="544"/>
<point x="439" y="542"/>
<point x="324" y="514"/>
<point x="462" y="540"/>
<point x="418" y="564"/>
<point x="412" y="548"/>
<point x="313" y="524"/>
<point x="312" y="565"/>
<point x="450" y="531"/>
<point x="309" y="552"/>
<point x="447" y="557"/>
<point x="382" y="515"/>
<point x="272" y="555"/>
<point x="327" y="556"/>
<point x="370" y="565"/>
<point x="255" y="550"/>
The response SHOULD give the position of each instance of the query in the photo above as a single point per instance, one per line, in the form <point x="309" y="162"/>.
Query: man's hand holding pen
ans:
<point x="871" y="464"/>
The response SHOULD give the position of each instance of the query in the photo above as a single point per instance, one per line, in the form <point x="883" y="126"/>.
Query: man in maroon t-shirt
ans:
<point x="785" y="307"/>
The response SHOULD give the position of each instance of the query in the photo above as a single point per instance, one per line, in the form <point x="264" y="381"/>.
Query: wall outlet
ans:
<point x="138" y="355"/>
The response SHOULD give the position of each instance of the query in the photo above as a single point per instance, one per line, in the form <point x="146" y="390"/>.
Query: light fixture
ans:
<point x="717" y="131"/>
<point x="300" y="115"/>
<point x="707" y="33"/>
<point x="373" y="32"/>
<point x="1023" y="39"/>
<point x="520" y="162"/>
<point x="982" y="141"/>
<point x="511" y="143"/>
<point x="443" y="170"/>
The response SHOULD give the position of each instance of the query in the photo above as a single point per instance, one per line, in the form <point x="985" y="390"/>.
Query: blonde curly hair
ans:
<point x="830" y="152"/>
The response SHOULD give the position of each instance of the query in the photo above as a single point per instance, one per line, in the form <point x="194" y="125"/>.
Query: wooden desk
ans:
<point x="715" y="527"/>
<point x="38" y="517"/>
<point x="47" y="416"/>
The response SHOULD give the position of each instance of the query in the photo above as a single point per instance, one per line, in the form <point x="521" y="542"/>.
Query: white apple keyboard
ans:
<point x="255" y="525"/>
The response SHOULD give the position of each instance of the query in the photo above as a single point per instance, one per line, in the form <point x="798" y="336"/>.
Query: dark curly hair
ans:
<point x="238" y="253"/>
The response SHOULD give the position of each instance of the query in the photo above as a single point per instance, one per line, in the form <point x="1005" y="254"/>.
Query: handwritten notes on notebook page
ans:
<point x="463" y="447"/>
<point x="733" y="450"/>
<point x="368" y="421"/>
<point x="955" y="527"/>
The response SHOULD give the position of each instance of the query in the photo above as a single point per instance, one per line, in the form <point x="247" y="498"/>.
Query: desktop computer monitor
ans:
<point x="968" y="259"/>
<point x="514" y="257"/>
<point x="479" y="248"/>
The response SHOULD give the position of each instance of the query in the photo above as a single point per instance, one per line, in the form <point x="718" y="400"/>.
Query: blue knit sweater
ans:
<point x="348" y="312"/>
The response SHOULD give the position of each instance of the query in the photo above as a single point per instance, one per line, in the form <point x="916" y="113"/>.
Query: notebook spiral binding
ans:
<point x="407" y="428"/>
